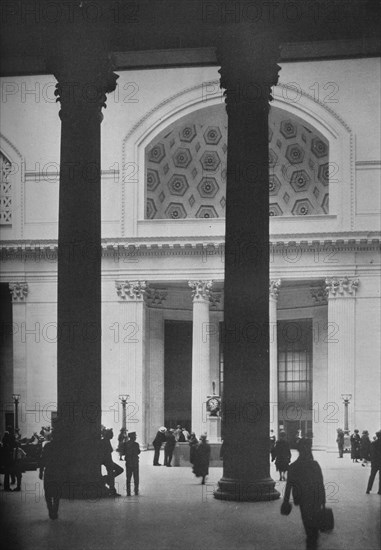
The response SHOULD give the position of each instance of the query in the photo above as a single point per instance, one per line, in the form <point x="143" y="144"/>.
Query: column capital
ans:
<point x="19" y="291"/>
<point x="274" y="285"/>
<point x="131" y="290"/>
<point x="319" y="294"/>
<point x="155" y="296"/>
<point x="84" y="79"/>
<point x="249" y="67"/>
<point x="342" y="286"/>
<point x="201" y="290"/>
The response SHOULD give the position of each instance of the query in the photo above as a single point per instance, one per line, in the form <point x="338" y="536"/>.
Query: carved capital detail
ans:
<point x="19" y="291"/>
<point x="201" y="289"/>
<point x="155" y="296"/>
<point x="83" y="81"/>
<point x="274" y="288"/>
<point x="341" y="286"/>
<point x="249" y="67"/>
<point x="131" y="290"/>
<point x="319" y="295"/>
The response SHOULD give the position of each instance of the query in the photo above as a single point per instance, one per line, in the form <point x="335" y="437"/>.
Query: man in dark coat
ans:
<point x="131" y="451"/>
<point x="340" y="441"/>
<point x="170" y="444"/>
<point x="305" y="479"/>
<point x="157" y="443"/>
<point x="51" y="471"/>
<point x="375" y="459"/>
<point x="9" y="445"/>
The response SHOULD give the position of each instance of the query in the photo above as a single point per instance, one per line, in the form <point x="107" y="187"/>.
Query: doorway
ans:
<point x="178" y="373"/>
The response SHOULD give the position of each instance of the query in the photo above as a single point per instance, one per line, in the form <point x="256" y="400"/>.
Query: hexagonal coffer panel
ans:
<point x="178" y="185"/>
<point x="208" y="188"/>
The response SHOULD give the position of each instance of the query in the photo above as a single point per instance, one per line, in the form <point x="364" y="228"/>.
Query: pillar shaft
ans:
<point x="341" y="352"/>
<point x="200" y="354"/>
<point x="19" y="383"/>
<point x="84" y="77"/>
<point x="273" y="297"/>
<point x="248" y="70"/>
<point x="132" y="353"/>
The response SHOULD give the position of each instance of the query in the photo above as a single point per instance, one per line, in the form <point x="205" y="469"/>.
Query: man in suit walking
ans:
<point x="375" y="459"/>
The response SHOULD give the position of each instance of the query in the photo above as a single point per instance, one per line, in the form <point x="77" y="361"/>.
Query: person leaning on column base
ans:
<point x="375" y="460"/>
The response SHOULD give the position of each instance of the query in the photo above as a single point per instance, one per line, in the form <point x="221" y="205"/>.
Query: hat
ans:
<point x="365" y="432"/>
<point x="378" y="434"/>
<point x="132" y="434"/>
<point x="163" y="429"/>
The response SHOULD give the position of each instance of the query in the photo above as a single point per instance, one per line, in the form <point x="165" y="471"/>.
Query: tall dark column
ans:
<point x="248" y="70"/>
<point x="84" y="77"/>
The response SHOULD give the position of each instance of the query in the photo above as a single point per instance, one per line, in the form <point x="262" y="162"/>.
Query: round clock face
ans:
<point x="213" y="403"/>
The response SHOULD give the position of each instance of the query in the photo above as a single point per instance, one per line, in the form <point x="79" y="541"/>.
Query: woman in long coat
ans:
<point x="355" y="446"/>
<point x="201" y="459"/>
<point x="365" y="448"/>
<point x="282" y="455"/>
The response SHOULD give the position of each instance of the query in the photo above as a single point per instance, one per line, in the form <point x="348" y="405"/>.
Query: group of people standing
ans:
<point x="12" y="459"/>
<point x="199" y="452"/>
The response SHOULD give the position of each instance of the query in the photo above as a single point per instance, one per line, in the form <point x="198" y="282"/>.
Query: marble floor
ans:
<point x="174" y="511"/>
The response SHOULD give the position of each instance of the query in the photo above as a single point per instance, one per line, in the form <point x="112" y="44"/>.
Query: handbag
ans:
<point x="286" y="508"/>
<point x="326" y="519"/>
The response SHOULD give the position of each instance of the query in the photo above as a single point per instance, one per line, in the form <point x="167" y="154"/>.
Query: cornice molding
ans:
<point x="129" y="250"/>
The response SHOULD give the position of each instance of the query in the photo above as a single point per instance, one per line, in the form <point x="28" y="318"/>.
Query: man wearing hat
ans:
<point x="131" y="453"/>
<point x="375" y="459"/>
<point x="157" y="443"/>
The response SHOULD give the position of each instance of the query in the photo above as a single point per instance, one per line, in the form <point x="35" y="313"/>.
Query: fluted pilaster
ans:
<point x="341" y="351"/>
<point x="273" y="300"/>
<point x="200" y="353"/>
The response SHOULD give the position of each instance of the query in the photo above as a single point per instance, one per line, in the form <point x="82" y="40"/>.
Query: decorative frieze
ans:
<point x="274" y="288"/>
<point x="131" y="290"/>
<point x="201" y="289"/>
<point x="341" y="286"/>
<point x="19" y="291"/>
<point x="319" y="295"/>
<point x="155" y="296"/>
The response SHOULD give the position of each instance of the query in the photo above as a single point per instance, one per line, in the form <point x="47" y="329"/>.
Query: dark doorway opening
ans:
<point x="178" y="373"/>
<point x="295" y="378"/>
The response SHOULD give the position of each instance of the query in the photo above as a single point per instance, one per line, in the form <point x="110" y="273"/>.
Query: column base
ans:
<point x="242" y="490"/>
<point x="91" y="490"/>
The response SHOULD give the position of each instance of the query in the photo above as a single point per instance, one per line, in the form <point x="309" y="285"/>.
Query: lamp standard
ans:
<point x="346" y="397"/>
<point x="16" y="399"/>
<point x="123" y="398"/>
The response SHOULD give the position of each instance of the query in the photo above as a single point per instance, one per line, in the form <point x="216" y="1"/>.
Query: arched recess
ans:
<point x="301" y="105"/>
<point x="16" y="179"/>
